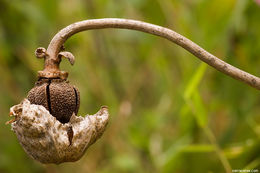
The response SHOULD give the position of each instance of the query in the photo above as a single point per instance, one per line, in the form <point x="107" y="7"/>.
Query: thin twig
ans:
<point x="52" y="59"/>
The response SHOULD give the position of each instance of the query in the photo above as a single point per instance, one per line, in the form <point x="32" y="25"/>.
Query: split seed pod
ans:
<point x="46" y="124"/>
<point x="59" y="97"/>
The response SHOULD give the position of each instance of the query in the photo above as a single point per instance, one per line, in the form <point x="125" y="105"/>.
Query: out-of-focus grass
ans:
<point x="169" y="111"/>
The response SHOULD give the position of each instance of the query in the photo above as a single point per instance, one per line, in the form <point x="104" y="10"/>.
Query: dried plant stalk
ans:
<point x="52" y="59"/>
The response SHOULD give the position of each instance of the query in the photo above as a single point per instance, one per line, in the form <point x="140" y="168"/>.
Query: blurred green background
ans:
<point x="169" y="111"/>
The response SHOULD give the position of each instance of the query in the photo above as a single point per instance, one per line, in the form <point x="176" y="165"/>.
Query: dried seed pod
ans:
<point x="47" y="140"/>
<point x="46" y="124"/>
<point x="59" y="97"/>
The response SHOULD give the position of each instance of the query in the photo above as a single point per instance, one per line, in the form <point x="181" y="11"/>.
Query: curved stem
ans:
<point x="52" y="60"/>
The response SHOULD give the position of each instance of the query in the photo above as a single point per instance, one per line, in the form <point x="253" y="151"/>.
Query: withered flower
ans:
<point x="46" y="124"/>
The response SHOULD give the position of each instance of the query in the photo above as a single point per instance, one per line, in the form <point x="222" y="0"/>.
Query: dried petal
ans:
<point x="47" y="140"/>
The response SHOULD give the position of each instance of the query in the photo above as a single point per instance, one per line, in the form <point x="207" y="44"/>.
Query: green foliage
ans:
<point x="170" y="112"/>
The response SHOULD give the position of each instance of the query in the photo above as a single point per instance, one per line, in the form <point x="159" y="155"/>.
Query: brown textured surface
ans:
<point x="59" y="97"/>
<point x="63" y="100"/>
<point x="38" y="95"/>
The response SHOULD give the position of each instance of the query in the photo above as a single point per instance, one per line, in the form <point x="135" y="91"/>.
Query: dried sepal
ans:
<point x="47" y="140"/>
<point x="40" y="52"/>
<point x="69" y="56"/>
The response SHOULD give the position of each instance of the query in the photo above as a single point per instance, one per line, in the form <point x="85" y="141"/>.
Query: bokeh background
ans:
<point x="169" y="111"/>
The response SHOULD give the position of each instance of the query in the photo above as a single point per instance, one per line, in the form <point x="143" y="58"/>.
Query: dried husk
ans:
<point x="47" y="140"/>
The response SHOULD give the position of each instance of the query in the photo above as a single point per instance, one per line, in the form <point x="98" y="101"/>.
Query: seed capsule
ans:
<point x="59" y="97"/>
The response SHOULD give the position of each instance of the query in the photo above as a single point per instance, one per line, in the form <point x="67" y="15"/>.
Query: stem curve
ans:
<point x="52" y="58"/>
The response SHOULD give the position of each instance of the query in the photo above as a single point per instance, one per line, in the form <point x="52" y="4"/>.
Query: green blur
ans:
<point x="170" y="112"/>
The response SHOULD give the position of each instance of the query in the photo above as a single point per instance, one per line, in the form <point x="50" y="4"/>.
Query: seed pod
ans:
<point x="46" y="124"/>
<point x="59" y="97"/>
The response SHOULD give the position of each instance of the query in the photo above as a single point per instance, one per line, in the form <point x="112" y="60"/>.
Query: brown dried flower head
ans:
<point x="46" y="124"/>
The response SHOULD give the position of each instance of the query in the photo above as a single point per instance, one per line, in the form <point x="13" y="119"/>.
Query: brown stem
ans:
<point x="52" y="58"/>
